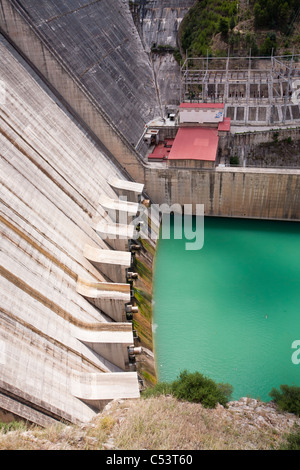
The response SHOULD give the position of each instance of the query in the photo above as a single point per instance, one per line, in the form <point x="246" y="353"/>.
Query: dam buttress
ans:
<point x="65" y="350"/>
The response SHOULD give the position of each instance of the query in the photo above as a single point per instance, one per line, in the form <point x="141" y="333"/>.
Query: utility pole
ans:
<point x="287" y="91"/>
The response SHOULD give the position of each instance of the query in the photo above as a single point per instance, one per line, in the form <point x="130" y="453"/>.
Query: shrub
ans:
<point x="274" y="13"/>
<point x="197" y="388"/>
<point x="234" y="160"/>
<point x="193" y="387"/>
<point x="203" y="21"/>
<point x="177" y="56"/>
<point x="293" y="442"/>
<point x="268" y="45"/>
<point x="287" y="398"/>
<point x="12" y="426"/>
<point x="223" y="28"/>
<point x="161" y="388"/>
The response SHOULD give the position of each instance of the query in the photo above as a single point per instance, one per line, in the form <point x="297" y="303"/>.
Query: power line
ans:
<point x="293" y="21"/>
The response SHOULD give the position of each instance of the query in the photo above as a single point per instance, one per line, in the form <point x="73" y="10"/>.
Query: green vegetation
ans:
<point x="235" y="160"/>
<point x="287" y="398"/>
<point x="144" y="300"/>
<point x="193" y="387"/>
<point x="275" y="14"/>
<point x="161" y="388"/>
<point x="199" y="25"/>
<point x="269" y="45"/>
<point x="264" y="26"/>
<point x="197" y="388"/>
<point x="12" y="426"/>
<point x="292" y="441"/>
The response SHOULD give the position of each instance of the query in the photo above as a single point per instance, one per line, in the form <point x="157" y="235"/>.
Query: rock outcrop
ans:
<point x="158" y="23"/>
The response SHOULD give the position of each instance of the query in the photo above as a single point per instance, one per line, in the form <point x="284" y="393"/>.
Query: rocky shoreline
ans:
<point x="260" y="414"/>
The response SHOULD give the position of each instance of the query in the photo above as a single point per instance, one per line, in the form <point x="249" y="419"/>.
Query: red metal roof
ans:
<point x="224" y="125"/>
<point x="162" y="150"/>
<point x="202" y="105"/>
<point x="195" y="143"/>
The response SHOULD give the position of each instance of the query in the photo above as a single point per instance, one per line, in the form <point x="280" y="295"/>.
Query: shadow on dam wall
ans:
<point x="93" y="60"/>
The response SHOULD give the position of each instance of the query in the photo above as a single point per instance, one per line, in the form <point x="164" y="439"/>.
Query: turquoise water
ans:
<point x="232" y="309"/>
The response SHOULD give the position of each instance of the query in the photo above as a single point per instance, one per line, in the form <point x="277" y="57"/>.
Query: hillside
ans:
<point x="264" y="27"/>
<point x="164" y="423"/>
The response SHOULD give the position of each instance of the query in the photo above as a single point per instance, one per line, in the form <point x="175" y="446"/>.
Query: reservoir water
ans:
<point x="232" y="309"/>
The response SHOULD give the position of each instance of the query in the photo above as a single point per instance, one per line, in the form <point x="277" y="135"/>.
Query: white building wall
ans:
<point x="200" y="115"/>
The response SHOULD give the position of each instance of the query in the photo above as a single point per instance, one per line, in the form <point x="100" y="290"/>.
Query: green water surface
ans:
<point x="232" y="309"/>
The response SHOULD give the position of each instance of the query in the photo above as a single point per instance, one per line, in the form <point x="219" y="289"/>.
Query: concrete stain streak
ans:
<point x="72" y="11"/>
<point x="56" y="308"/>
<point x="37" y="244"/>
<point x="39" y="248"/>
<point x="43" y="170"/>
<point x="7" y="316"/>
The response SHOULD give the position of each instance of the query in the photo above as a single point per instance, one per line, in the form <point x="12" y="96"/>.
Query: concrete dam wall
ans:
<point x="66" y="347"/>
<point x="160" y="21"/>
<point x="98" y="43"/>
<point x="91" y="56"/>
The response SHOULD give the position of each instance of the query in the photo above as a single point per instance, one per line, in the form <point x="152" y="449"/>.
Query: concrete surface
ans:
<point x="110" y="298"/>
<point x="48" y="204"/>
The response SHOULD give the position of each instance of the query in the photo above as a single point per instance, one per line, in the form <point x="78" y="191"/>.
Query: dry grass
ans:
<point x="60" y="437"/>
<point x="165" y="423"/>
<point x="160" y="423"/>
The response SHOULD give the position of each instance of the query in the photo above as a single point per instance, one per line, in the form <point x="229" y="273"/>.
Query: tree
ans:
<point x="287" y="398"/>
<point x="197" y="388"/>
<point x="260" y="15"/>
<point x="269" y="44"/>
<point x="193" y="387"/>
<point x="283" y="15"/>
<point x="274" y="13"/>
<point x="232" y="23"/>
<point x="223" y="28"/>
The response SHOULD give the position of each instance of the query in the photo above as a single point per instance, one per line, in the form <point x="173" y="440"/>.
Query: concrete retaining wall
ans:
<point x="230" y="192"/>
<point x="278" y="147"/>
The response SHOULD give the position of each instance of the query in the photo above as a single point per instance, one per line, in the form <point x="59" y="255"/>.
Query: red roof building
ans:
<point x="204" y="114"/>
<point x="195" y="143"/>
<point x="197" y="139"/>
<point x="224" y="126"/>
<point x="202" y="105"/>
